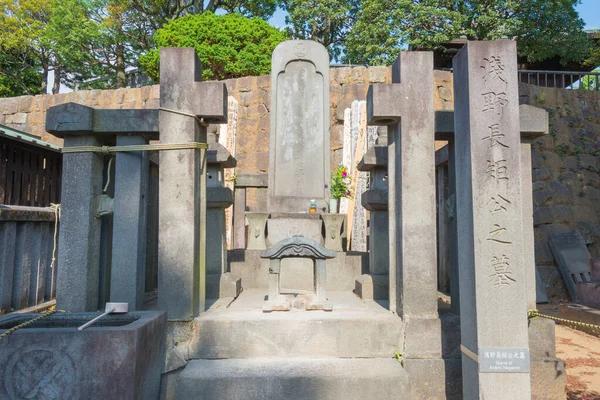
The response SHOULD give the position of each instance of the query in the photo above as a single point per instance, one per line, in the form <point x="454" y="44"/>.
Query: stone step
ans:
<point x="293" y="379"/>
<point x="368" y="333"/>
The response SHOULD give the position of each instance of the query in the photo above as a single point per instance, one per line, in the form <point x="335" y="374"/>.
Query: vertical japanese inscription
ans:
<point x="497" y="170"/>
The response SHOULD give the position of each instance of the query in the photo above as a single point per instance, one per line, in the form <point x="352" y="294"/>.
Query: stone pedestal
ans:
<point x="333" y="230"/>
<point x="257" y="223"/>
<point x="490" y="222"/>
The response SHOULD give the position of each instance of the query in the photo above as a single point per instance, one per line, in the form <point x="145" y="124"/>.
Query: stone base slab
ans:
<point x="293" y="379"/>
<point x="372" y="287"/>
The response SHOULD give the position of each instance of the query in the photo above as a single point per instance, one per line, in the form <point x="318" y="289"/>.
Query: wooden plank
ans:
<point x="586" y="277"/>
<point x="58" y="178"/>
<point x="577" y="278"/>
<point x="9" y="174"/>
<point x="18" y="176"/>
<point x="34" y="244"/>
<point x="8" y="235"/>
<point x="39" y="180"/>
<point x="50" y="278"/>
<point x="3" y="155"/>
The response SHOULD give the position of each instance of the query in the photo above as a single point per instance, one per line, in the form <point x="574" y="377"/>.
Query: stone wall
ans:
<point x="566" y="163"/>
<point x="566" y="173"/>
<point x="28" y="113"/>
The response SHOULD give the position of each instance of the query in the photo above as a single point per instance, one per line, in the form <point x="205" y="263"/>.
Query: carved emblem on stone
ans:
<point x="300" y="50"/>
<point x="40" y="373"/>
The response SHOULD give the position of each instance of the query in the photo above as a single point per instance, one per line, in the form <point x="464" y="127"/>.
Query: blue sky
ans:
<point x="589" y="10"/>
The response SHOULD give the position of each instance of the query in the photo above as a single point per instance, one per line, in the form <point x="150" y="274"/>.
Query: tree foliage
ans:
<point x="229" y="46"/>
<point x="543" y="28"/>
<point x="325" y="21"/>
<point x="160" y="12"/>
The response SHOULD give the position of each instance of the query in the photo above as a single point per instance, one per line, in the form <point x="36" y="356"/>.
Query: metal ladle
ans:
<point x="111" y="308"/>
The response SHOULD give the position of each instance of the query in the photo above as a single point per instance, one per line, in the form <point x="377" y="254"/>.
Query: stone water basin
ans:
<point x="119" y="357"/>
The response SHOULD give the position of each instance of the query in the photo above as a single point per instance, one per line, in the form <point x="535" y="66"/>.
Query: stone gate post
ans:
<point x="495" y="349"/>
<point x="182" y="181"/>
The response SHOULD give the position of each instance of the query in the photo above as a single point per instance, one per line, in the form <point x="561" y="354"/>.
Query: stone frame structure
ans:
<point x="297" y="246"/>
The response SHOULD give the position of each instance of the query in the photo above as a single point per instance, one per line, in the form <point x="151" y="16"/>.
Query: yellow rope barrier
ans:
<point x="139" y="147"/>
<point x="594" y="328"/>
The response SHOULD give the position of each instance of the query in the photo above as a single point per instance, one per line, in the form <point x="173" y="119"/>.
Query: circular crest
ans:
<point x="40" y="373"/>
<point x="300" y="50"/>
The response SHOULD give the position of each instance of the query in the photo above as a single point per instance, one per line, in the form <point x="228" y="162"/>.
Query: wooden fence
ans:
<point x="26" y="245"/>
<point x="29" y="175"/>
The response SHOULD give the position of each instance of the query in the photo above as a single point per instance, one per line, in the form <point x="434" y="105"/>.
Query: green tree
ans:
<point x="326" y="21"/>
<point x="543" y="28"/>
<point x="229" y="46"/>
<point x="22" y="24"/>
<point x="18" y="75"/>
<point x="159" y="12"/>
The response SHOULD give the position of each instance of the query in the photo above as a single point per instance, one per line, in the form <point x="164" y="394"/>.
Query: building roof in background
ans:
<point x="26" y="138"/>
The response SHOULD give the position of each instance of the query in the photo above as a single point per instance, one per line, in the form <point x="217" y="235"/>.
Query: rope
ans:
<point x="56" y="208"/>
<point x="139" y="147"/>
<point x="469" y="353"/>
<point x="24" y="324"/>
<point x="594" y="328"/>
<point x="108" y="175"/>
<point x="200" y="120"/>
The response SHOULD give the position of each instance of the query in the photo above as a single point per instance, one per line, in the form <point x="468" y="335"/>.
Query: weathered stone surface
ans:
<point x="333" y="230"/>
<point x="542" y="342"/>
<point x="293" y="379"/>
<point x="256" y="230"/>
<point x="283" y="226"/>
<point x="490" y="220"/>
<point x="299" y="146"/>
<point x="411" y="182"/>
<point x="548" y="379"/>
<point x="56" y="360"/>
<point x="365" y="333"/>
<point x="182" y="249"/>
<point x="434" y="379"/>
<point x="130" y="224"/>
<point x="423" y="337"/>
<point x="77" y="286"/>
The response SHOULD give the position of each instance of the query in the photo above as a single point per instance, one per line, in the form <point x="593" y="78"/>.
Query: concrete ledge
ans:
<point x="345" y="334"/>
<point x="295" y="379"/>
